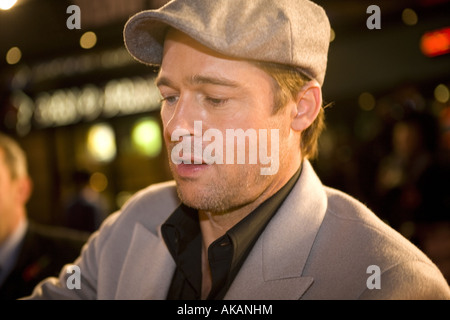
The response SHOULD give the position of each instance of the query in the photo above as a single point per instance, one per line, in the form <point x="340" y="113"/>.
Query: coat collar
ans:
<point x="275" y="265"/>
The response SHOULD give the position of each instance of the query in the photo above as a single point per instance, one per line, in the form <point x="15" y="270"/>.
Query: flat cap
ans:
<point x="290" y="32"/>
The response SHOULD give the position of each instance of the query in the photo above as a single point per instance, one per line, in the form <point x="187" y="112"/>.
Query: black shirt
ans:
<point x="182" y="235"/>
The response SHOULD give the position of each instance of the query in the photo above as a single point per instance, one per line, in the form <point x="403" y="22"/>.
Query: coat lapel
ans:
<point x="148" y="267"/>
<point x="274" y="268"/>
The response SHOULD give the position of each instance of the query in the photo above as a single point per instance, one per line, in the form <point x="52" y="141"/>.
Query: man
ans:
<point x="85" y="210"/>
<point x="232" y="72"/>
<point x="28" y="252"/>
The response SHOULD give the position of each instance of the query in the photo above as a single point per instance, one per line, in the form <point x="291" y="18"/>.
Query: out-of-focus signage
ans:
<point x="436" y="43"/>
<point x="71" y="105"/>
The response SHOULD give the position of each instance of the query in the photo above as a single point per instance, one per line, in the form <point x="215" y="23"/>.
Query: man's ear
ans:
<point x="309" y="102"/>
<point x="25" y="188"/>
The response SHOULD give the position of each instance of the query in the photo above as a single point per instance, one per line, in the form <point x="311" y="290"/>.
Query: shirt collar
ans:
<point x="182" y="226"/>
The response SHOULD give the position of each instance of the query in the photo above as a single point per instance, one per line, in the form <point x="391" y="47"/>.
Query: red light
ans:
<point x="436" y="43"/>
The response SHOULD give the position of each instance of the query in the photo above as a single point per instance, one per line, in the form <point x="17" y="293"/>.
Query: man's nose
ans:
<point x="181" y="118"/>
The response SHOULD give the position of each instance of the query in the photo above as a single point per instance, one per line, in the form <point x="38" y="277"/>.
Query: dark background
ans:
<point x="387" y="139"/>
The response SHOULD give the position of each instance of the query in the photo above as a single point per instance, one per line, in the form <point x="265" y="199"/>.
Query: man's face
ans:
<point x="199" y="85"/>
<point x="9" y="199"/>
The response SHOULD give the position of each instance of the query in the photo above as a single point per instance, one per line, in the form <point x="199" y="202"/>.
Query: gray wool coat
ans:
<point x="321" y="244"/>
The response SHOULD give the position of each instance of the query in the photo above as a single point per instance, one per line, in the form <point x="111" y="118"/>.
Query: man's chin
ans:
<point x="200" y="198"/>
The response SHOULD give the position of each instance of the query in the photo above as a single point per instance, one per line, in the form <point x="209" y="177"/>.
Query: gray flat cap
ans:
<point x="290" y="32"/>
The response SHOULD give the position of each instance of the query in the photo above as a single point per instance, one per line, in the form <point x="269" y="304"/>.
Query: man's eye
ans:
<point x="216" y="101"/>
<point x="170" y="99"/>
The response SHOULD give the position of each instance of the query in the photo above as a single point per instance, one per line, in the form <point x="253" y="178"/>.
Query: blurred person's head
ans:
<point x="414" y="135"/>
<point x="81" y="179"/>
<point x="15" y="186"/>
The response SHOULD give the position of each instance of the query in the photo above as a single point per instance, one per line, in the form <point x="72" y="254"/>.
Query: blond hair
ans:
<point x="289" y="81"/>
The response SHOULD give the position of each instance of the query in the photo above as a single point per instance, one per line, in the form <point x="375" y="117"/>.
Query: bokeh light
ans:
<point x="332" y="35"/>
<point x="13" y="55"/>
<point x="7" y="4"/>
<point x="441" y="93"/>
<point x="366" y="101"/>
<point x="98" y="181"/>
<point x="409" y="17"/>
<point x="88" y="40"/>
<point x="146" y="137"/>
<point x="101" y="142"/>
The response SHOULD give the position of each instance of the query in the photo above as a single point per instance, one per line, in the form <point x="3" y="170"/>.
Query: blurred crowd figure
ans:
<point x="412" y="184"/>
<point x="29" y="252"/>
<point x="433" y="214"/>
<point x="86" y="209"/>
<point x="400" y="174"/>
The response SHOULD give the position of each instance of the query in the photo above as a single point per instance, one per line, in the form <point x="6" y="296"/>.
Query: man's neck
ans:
<point x="215" y="225"/>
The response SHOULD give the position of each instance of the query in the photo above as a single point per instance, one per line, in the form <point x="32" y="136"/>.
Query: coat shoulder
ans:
<point x="344" y="211"/>
<point x="354" y="242"/>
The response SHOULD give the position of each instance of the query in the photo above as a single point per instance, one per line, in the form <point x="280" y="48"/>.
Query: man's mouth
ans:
<point x="191" y="169"/>
<point x="193" y="160"/>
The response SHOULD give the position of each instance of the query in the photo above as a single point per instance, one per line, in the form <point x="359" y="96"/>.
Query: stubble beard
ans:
<point x="223" y="193"/>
